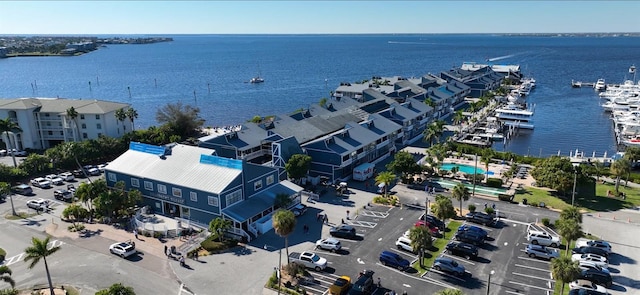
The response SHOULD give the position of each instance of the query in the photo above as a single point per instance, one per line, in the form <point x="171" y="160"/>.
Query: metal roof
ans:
<point x="60" y="105"/>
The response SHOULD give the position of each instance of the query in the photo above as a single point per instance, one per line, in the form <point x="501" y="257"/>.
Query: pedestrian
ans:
<point x="379" y="283"/>
<point x="347" y="214"/>
<point x="326" y="219"/>
<point x="493" y="206"/>
<point x="195" y="255"/>
<point x="135" y="234"/>
<point x="342" y="220"/>
<point x="485" y="205"/>
<point x="165" y="250"/>
<point x="319" y="217"/>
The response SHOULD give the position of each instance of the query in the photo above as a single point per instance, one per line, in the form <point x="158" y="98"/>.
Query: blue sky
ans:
<point x="312" y="17"/>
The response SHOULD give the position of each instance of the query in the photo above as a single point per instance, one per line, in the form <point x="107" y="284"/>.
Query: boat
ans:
<point x="256" y="79"/>
<point x="514" y="115"/>
<point x="600" y="85"/>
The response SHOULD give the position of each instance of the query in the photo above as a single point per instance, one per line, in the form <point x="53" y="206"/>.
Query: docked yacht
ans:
<point x="514" y="115"/>
<point x="600" y="85"/>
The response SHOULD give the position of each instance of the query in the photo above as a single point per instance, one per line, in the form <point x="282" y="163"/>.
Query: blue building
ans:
<point x="195" y="185"/>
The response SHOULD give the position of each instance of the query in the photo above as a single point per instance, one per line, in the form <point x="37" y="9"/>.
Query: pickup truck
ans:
<point x="309" y="260"/>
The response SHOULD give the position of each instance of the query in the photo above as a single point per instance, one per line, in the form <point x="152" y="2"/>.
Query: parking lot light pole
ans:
<point x="266" y="247"/>
<point x="575" y="177"/>
<point x="489" y="281"/>
<point x="13" y="209"/>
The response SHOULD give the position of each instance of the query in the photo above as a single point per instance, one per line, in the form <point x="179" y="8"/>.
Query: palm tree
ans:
<point x="132" y="114"/>
<point x="430" y="102"/>
<point x="5" y="275"/>
<point x="443" y="209"/>
<point x="39" y="250"/>
<point x="620" y="168"/>
<point x="385" y="178"/>
<point x="458" y="117"/>
<point x="571" y="213"/>
<point x="433" y="132"/>
<point x="5" y="190"/>
<point x="597" y="168"/>
<point x="460" y="192"/>
<point x="569" y="229"/>
<point x="73" y="115"/>
<point x="121" y="115"/>
<point x="486" y="156"/>
<point x="8" y="125"/>
<point x="284" y="222"/>
<point x="449" y="292"/>
<point x="564" y="270"/>
<point x="420" y="240"/>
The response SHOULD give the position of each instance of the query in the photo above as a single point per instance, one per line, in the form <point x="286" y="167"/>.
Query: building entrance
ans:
<point x="171" y="210"/>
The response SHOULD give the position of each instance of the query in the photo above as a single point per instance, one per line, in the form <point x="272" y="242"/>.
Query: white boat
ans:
<point x="256" y="79"/>
<point x="600" y="85"/>
<point x="513" y="115"/>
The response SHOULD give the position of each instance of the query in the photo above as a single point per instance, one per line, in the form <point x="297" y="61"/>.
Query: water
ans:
<point x="300" y="70"/>
<point x="463" y="168"/>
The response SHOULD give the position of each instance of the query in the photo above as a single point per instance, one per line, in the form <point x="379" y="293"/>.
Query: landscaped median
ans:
<point x="437" y="248"/>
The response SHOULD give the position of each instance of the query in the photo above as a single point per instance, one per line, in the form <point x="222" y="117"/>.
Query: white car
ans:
<point x="18" y="153"/>
<point x="41" y="182"/>
<point x="93" y="171"/>
<point x="66" y="176"/>
<point x="38" y="204"/>
<point x="124" y="249"/>
<point x="585" y="284"/>
<point x="594" y="243"/>
<point x="595" y="259"/>
<point x="54" y="179"/>
<point x="102" y="166"/>
<point x="585" y="265"/>
<point x="404" y="243"/>
<point x="331" y="244"/>
<point x="543" y="239"/>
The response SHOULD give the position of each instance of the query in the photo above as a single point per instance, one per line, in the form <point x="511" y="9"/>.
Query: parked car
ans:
<point x="330" y="244"/>
<point x="537" y="251"/>
<point x="78" y="173"/>
<point x="124" y="249"/>
<point x="479" y="217"/>
<point x="299" y="210"/>
<point x="404" y="243"/>
<point x="599" y="277"/>
<point x="434" y="230"/>
<point x="54" y="179"/>
<point x="473" y="228"/>
<point x="595" y="259"/>
<point x="588" y="285"/>
<point x="38" y="204"/>
<point x="588" y="265"/>
<point x="41" y="182"/>
<point x="66" y="176"/>
<point x="22" y="189"/>
<point x="604" y="245"/>
<point x="433" y="220"/>
<point x="93" y="172"/>
<point x="63" y="195"/>
<point x="469" y="237"/>
<point x="394" y="260"/>
<point x="343" y="231"/>
<point x="462" y="249"/>
<point x="363" y="285"/>
<point x="3" y="153"/>
<point x="309" y="260"/>
<point x="543" y="239"/>
<point x="18" y="153"/>
<point x="101" y="167"/>
<point x="448" y="265"/>
<point x="585" y="292"/>
<point x="590" y="250"/>
<point x="340" y="286"/>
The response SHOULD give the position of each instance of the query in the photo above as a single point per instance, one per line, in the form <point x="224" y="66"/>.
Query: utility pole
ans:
<point x="475" y="170"/>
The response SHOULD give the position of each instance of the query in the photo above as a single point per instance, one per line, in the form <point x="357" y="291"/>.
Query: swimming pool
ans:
<point x="463" y="168"/>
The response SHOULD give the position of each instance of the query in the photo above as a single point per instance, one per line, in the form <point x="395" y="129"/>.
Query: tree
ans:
<point x="404" y="164"/>
<point x="385" y="178"/>
<point x="71" y="150"/>
<point x="87" y="192"/>
<point x="8" y="125"/>
<point x="256" y="119"/>
<point x="132" y="114"/>
<point x="571" y="213"/>
<point x="297" y="166"/>
<point x="486" y="157"/>
<point x="564" y="270"/>
<point x="5" y="190"/>
<point x="5" y="275"/>
<point x="433" y="132"/>
<point x="73" y="115"/>
<point x="429" y="102"/>
<point x="323" y="102"/>
<point x="75" y="212"/>
<point x="460" y="192"/>
<point x="284" y="222"/>
<point x="620" y="168"/>
<point x="218" y="226"/>
<point x="570" y="230"/>
<point x="420" y="240"/>
<point x="556" y="173"/>
<point x="121" y="115"/>
<point x="458" y="117"/>
<point x="117" y="289"/>
<point x="36" y="164"/>
<point x="39" y="250"/>
<point x="184" y="120"/>
<point x="282" y="201"/>
<point x="443" y="209"/>
<point x="449" y="292"/>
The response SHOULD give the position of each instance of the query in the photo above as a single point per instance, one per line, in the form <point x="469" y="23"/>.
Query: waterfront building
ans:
<point x="480" y="80"/>
<point x="44" y="121"/>
<point x="194" y="185"/>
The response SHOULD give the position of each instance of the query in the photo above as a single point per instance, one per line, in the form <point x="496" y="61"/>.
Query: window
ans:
<point x="61" y="133"/>
<point x="84" y="135"/>
<point x="162" y="188"/>
<point x="270" y="179"/>
<point x="193" y="196"/>
<point x="112" y="176"/>
<point x="81" y="117"/>
<point x="234" y="197"/>
<point x="257" y="185"/>
<point x="84" y="126"/>
<point x="148" y="185"/>
<point x="212" y="201"/>
<point x="97" y="117"/>
<point x="98" y="126"/>
<point x="50" y="132"/>
<point x="135" y="182"/>
<point x="46" y="114"/>
<point x="48" y="123"/>
<point x="176" y="192"/>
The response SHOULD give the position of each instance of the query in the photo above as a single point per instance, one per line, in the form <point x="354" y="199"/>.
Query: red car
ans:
<point x="432" y="228"/>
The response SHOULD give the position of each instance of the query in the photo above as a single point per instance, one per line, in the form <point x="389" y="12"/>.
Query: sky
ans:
<point x="316" y="17"/>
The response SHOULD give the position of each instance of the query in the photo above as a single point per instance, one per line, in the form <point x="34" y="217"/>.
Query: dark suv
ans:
<point x="462" y="249"/>
<point x="433" y="220"/>
<point x="393" y="259"/>
<point x="479" y="217"/>
<point x="597" y="277"/>
<point x="363" y="285"/>
<point x="590" y="250"/>
<point x="469" y="237"/>
<point x="343" y="231"/>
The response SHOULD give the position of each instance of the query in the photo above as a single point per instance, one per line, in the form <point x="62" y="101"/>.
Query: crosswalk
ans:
<point x="17" y="258"/>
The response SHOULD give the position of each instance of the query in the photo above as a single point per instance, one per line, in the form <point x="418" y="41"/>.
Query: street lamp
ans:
<point x="575" y="177"/>
<point x="266" y="247"/>
<point x="489" y="281"/>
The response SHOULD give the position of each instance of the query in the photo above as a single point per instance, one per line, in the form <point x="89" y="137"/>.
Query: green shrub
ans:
<point x="505" y="197"/>
<point x="158" y="235"/>
<point x="3" y="254"/>
<point x="381" y="200"/>
<point x="9" y="292"/>
<point x="472" y="208"/>
<point x="494" y="182"/>
<point x="489" y="210"/>
<point x="213" y="246"/>
<point x="546" y="222"/>
<point x="147" y="234"/>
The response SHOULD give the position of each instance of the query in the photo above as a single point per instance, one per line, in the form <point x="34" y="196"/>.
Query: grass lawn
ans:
<point x="600" y="202"/>
<point x="437" y="248"/>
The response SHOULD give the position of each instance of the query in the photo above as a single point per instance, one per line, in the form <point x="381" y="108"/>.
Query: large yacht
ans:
<point x="600" y="85"/>
<point x="514" y="115"/>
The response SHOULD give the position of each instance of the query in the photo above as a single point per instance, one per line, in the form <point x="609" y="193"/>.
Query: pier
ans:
<point x="579" y="84"/>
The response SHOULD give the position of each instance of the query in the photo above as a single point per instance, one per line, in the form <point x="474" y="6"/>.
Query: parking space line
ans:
<point x="531" y="286"/>
<point x="373" y="214"/>
<point x="361" y="223"/>
<point x="326" y="253"/>
<point x="447" y="275"/>
<point x="514" y="221"/>
<point x="532" y="277"/>
<point x="535" y="268"/>
<point x="478" y="225"/>
<point x="536" y="260"/>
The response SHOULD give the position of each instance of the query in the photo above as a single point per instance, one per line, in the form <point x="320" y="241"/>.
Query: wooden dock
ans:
<point x="579" y="84"/>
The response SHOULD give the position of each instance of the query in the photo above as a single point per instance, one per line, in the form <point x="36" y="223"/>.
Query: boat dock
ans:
<point x="578" y="84"/>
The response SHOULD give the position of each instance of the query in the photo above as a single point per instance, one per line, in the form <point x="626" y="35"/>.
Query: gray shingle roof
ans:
<point x="60" y="105"/>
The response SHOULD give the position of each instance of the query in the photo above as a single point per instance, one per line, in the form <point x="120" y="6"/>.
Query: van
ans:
<point x="22" y="189"/>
